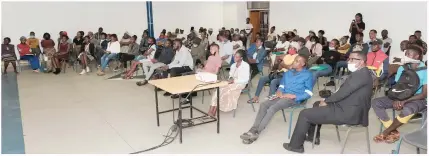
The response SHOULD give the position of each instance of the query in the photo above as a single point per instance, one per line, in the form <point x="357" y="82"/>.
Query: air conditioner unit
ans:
<point x="258" y="5"/>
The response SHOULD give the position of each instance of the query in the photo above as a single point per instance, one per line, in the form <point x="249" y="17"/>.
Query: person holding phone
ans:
<point x="357" y="26"/>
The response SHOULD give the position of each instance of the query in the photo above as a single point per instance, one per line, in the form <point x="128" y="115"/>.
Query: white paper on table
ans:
<point x="206" y="77"/>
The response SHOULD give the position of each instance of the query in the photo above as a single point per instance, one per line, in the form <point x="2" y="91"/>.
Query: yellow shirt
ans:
<point x="344" y="48"/>
<point x="288" y="60"/>
<point x="33" y="42"/>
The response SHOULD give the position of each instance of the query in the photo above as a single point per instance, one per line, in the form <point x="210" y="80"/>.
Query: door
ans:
<point x="255" y="18"/>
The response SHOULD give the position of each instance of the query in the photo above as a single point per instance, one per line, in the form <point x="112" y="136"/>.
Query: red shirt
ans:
<point x="375" y="59"/>
<point x="24" y="49"/>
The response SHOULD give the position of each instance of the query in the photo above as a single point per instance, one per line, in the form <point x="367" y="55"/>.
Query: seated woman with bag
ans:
<point x="25" y="54"/>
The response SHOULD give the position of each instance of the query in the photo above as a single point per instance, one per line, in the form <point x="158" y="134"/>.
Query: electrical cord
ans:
<point x="169" y="138"/>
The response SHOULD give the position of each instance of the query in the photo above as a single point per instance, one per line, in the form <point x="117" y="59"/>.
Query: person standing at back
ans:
<point x="357" y="26"/>
<point x="249" y="31"/>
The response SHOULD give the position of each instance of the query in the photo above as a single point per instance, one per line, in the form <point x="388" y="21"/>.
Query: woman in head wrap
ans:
<point x="48" y="50"/>
<point x="25" y="54"/>
<point x="8" y="54"/>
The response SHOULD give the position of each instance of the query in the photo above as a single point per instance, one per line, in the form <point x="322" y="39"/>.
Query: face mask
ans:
<point x="241" y="35"/>
<point x="352" y="67"/>
<point x="313" y="42"/>
<point x="331" y="48"/>
<point x="410" y="60"/>
<point x="195" y="45"/>
<point x="32" y="36"/>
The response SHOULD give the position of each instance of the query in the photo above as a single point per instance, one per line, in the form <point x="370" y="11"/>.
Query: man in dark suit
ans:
<point x="349" y="105"/>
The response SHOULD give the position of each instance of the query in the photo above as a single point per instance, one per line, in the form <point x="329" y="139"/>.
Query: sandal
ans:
<point x="379" y="138"/>
<point x="252" y="101"/>
<point x="393" y="137"/>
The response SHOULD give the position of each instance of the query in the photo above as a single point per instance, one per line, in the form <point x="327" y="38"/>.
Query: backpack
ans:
<point x="407" y="85"/>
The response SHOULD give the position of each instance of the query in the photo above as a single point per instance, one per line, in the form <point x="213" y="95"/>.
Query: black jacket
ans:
<point x="166" y="55"/>
<point x="351" y="103"/>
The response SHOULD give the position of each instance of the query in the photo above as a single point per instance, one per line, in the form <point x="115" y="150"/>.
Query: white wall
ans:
<point x="117" y="17"/>
<point x="235" y="14"/>
<point x="183" y="15"/>
<point x="401" y="19"/>
<point x="114" y="17"/>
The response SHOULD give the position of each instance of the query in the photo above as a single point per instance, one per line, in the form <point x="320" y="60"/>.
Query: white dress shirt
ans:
<point x="114" y="47"/>
<point x="284" y="45"/>
<point x="241" y="74"/>
<point x="248" y="28"/>
<point x="152" y="54"/>
<point x="212" y="38"/>
<point x="226" y="48"/>
<point x="182" y="58"/>
<point x="240" y="43"/>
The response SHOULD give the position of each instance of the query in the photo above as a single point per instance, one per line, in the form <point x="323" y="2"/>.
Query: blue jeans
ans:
<point x="341" y="64"/>
<point x="33" y="60"/>
<point x="319" y="73"/>
<point x="273" y="85"/>
<point x="105" y="59"/>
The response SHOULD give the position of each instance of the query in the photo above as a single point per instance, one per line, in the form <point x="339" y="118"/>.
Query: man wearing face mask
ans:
<point x="349" y="105"/>
<point x="327" y="62"/>
<point x="409" y="107"/>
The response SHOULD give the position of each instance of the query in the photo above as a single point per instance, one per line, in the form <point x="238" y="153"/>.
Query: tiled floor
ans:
<point x="74" y="114"/>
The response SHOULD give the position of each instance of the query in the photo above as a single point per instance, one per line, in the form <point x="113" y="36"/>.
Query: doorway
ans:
<point x="260" y="21"/>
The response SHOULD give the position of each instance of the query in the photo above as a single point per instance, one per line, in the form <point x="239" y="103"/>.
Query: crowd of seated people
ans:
<point x="296" y="65"/>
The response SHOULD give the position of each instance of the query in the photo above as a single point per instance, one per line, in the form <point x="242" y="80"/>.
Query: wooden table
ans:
<point x="185" y="85"/>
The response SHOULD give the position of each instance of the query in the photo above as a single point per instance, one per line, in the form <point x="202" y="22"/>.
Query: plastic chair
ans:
<point x="292" y="109"/>
<point x="350" y="127"/>
<point x="417" y="138"/>
<point x="247" y="90"/>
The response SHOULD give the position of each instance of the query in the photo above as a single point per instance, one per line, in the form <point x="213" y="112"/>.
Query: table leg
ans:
<point x="218" y="116"/>
<point x="157" y="109"/>
<point x="190" y="102"/>
<point x="179" y="120"/>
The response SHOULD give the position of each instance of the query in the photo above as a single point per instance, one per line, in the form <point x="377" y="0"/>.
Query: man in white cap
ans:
<point x="212" y="37"/>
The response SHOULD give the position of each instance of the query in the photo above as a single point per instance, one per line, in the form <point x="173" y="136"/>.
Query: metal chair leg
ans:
<point x="345" y="141"/>
<point x="368" y="142"/>
<point x="338" y="134"/>
<point x="202" y="98"/>
<point x="290" y="123"/>
<point x="284" y="116"/>
<point x="250" y="97"/>
<point x="418" y="150"/>
<point x="233" y="114"/>
<point x="314" y="136"/>
<point x="398" y="147"/>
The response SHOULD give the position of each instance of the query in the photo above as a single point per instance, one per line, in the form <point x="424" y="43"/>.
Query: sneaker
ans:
<point x="88" y="69"/>
<point x="83" y="72"/>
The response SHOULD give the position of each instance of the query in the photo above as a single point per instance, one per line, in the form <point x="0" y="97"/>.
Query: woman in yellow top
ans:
<point x="34" y="44"/>
<point x="344" y="46"/>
